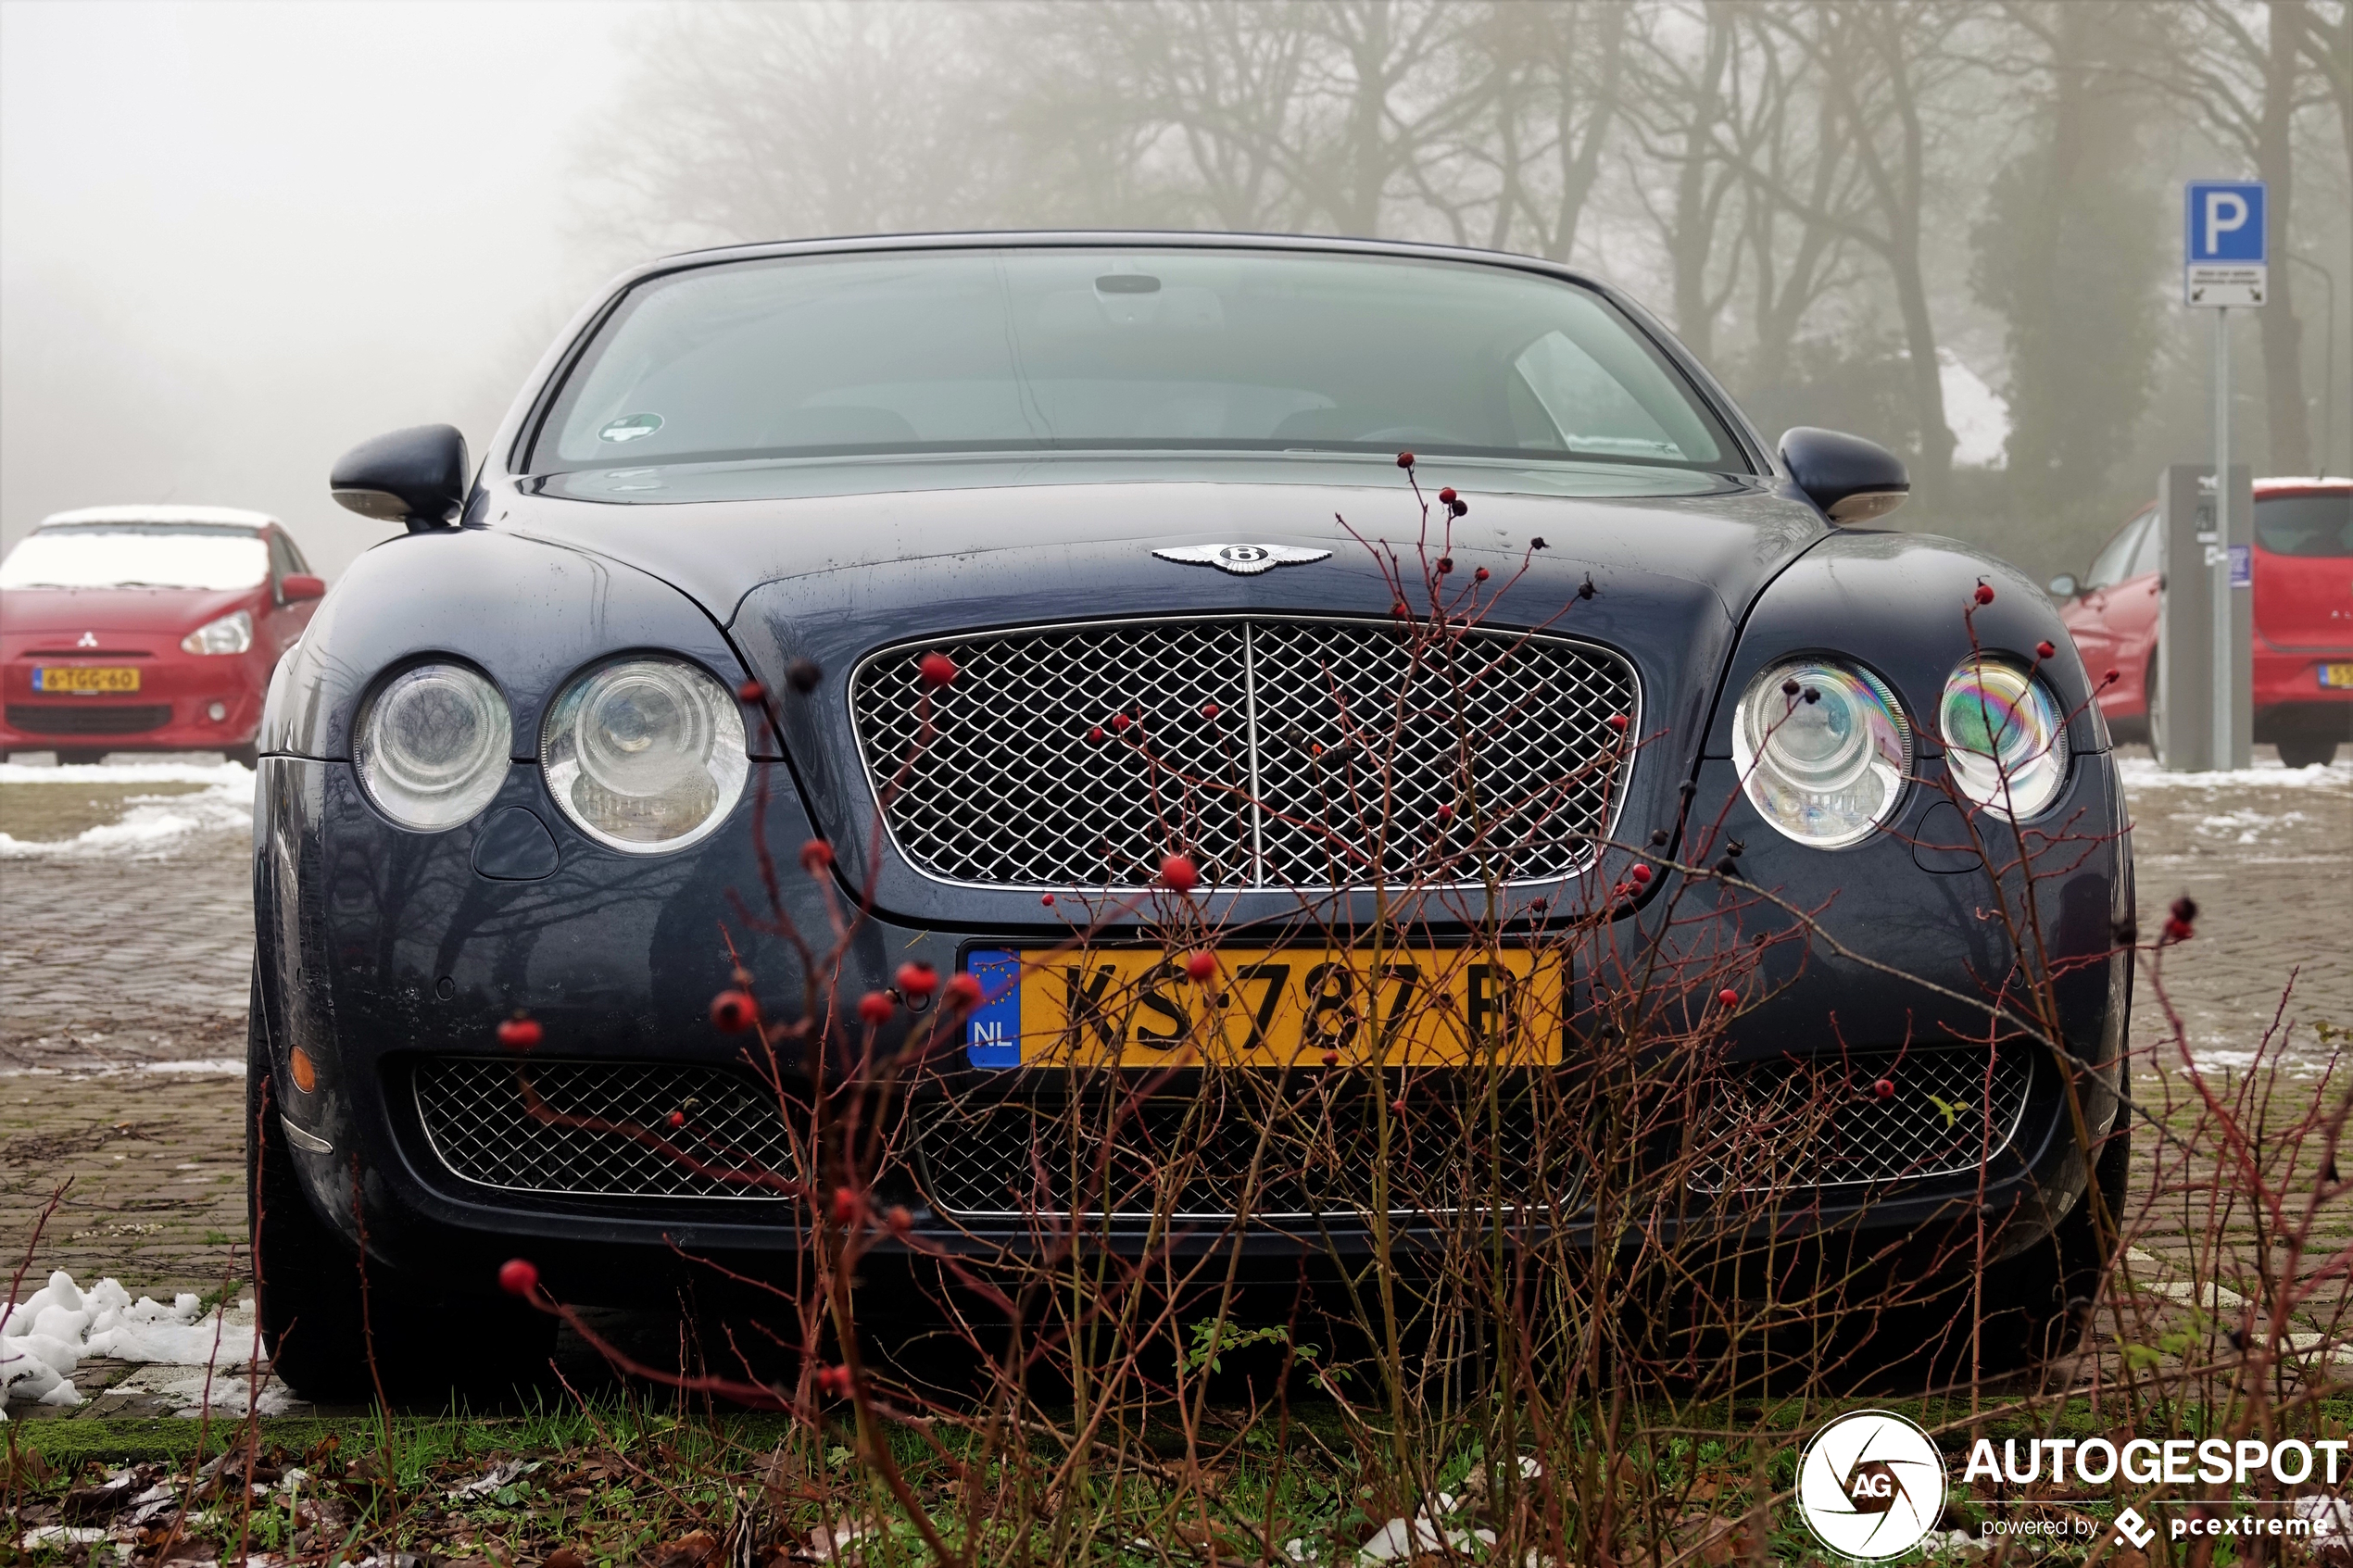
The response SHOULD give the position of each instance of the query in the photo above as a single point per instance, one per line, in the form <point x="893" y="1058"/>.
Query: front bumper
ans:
<point x="381" y="952"/>
<point x="171" y="710"/>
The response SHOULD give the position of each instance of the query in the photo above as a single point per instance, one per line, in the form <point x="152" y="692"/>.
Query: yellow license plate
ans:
<point x="47" y="678"/>
<point x="2336" y="676"/>
<point x="1268" y="1008"/>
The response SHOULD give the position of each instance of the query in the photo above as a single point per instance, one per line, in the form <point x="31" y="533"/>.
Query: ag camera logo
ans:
<point x="1870" y="1485"/>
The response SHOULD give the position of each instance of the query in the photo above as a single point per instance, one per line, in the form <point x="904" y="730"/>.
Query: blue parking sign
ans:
<point x="2224" y="256"/>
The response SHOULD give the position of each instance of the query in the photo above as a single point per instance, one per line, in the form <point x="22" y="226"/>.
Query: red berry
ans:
<point x="1621" y="890"/>
<point x="1047" y="899"/>
<point x="917" y="980"/>
<point x="1729" y="997"/>
<point x="2178" y="931"/>
<point x="731" y="1012"/>
<point x="1446" y="565"/>
<point x="1178" y="875"/>
<point x="1095" y="734"/>
<point x="1461" y="507"/>
<point x="2111" y="678"/>
<point x="964" y="992"/>
<point x="751" y="692"/>
<point x="518" y="1034"/>
<point x="1447" y="495"/>
<point x="1399" y="609"/>
<point x="898" y="1220"/>
<point x="1884" y="1088"/>
<point x="1445" y="813"/>
<point x="936" y="668"/>
<point x="817" y="856"/>
<point x="875" y="1008"/>
<point x="1202" y="967"/>
<point x="845" y="1206"/>
<point x="2044" y="649"/>
<point x="1331" y="1059"/>
<point x="1209" y="711"/>
<point x="1619" y="722"/>
<point x="518" y="1276"/>
<point x="1120" y="721"/>
<point x="1397" y="1108"/>
<point x="1984" y="593"/>
<point x="1404" y="459"/>
<point x="1640" y="873"/>
<point x="834" y="1380"/>
<point x="2184" y="908"/>
<point x="1479" y="576"/>
<point x="677" y="1118"/>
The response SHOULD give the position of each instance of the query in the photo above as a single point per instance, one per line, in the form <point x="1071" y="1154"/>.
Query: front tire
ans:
<point x="2307" y="751"/>
<point x="319" y="1328"/>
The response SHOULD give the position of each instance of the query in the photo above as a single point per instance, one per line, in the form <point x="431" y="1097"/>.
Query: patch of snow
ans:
<point x="1978" y="416"/>
<point x="201" y="1064"/>
<point x="46" y="1336"/>
<point x="2142" y="772"/>
<point x="148" y="820"/>
<point x="227" y="1391"/>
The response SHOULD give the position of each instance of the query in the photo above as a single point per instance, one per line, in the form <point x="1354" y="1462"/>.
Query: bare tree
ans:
<point x="2247" y="72"/>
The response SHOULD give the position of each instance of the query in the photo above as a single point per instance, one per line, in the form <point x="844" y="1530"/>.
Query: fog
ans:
<point x="235" y="238"/>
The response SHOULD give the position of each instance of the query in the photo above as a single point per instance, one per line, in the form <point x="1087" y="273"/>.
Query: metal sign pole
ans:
<point x="2218" y="555"/>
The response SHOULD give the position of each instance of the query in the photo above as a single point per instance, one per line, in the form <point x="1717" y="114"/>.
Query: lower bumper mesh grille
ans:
<point x="63" y="719"/>
<point x="1794" y="1125"/>
<point x="1197" y="1159"/>
<point x="602" y="1129"/>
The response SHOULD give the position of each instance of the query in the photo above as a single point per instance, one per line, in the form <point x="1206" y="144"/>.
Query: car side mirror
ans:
<point x="2064" y="586"/>
<point x="296" y="586"/>
<point x="1854" y="480"/>
<point x="416" y="476"/>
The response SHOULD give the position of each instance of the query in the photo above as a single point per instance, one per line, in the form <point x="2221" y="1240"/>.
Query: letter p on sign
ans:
<point x="2226" y="213"/>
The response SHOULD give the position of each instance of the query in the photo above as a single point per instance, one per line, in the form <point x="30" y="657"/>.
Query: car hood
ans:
<point x="833" y="577"/>
<point x="150" y="612"/>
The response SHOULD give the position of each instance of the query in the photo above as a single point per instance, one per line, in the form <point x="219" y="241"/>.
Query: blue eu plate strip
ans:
<point x="992" y="1036"/>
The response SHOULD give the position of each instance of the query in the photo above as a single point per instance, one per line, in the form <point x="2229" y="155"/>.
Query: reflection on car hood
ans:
<point x="929" y="532"/>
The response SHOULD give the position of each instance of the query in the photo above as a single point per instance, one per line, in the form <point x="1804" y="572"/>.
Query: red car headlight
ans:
<point x="230" y="634"/>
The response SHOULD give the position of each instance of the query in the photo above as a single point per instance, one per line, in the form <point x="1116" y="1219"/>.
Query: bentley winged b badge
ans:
<point x="1243" y="561"/>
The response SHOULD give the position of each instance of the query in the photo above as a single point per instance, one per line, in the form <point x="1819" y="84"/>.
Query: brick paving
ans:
<point x="114" y="966"/>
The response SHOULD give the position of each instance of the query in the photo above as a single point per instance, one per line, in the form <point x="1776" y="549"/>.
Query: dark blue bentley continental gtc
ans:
<point x="994" y="665"/>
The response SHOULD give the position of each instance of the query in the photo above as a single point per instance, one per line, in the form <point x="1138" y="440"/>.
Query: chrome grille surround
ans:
<point x="480" y="1126"/>
<point x="1258" y="744"/>
<point x="1801" y="1124"/>
<point x="1176" y="1158"/>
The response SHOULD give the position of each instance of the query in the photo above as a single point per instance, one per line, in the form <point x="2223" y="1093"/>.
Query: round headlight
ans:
<point x="1823" y="749"/>
<point x="645" y="754"/>
<point x="431" y="747"/>
<point x="2004" y="742"/>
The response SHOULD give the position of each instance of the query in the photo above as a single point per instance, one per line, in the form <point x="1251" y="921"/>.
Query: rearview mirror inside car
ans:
<point x="416" y="476"/>
<point x="1854" y="480"/>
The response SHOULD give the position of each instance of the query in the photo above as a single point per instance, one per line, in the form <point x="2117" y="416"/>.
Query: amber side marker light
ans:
<point x="305" y="1074"/>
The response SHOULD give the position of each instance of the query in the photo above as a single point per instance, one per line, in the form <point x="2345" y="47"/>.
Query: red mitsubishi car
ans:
<point x="2303" y="620"/>
<point x="147" y="629"/>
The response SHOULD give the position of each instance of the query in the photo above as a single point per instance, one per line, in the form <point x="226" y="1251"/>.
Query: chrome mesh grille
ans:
<point x="1279" y="753"/>
<point x="1789" y="1124"/>
<point x="1193" y="1159"/>
<point x="602" y="1129"/>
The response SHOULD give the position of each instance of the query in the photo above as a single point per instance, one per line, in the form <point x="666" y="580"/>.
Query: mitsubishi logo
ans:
<point x="89" y="640"/>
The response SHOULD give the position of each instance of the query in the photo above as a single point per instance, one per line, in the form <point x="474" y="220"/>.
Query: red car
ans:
<point x="147" y="629"/>
<point x="2303" y="620"/>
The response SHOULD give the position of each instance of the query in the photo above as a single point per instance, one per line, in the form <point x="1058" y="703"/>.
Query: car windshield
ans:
<point x="137" y="556"/>
<point x="1113" y="348"/>
<point x="2306" y="525"/>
